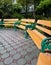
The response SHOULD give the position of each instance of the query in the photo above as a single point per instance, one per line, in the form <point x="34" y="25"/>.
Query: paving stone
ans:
<point x="1" y="48"/>
<point x="25" y="47"/>
<point x="7" y="46"/>
<point x="9" y="49"/>
<point x="19" y="49"/>
<point x="34" y="47"/>
<point x="34" y="62"/>
<point x="8" y="60"/>
<point x="12" y="52"/>
<point x="17" y="56"/>
<point x="0" y="45"/>
<point x="28" y="57"/>
<point x="23" y="52"/>
<point x="5" y="55"/>
<point x="29" y="49"/>
<point x="28" y="64"/>
<point x="12" y="44"/>
<point x="2" y="51"/>
<point x="21" y="61"/>
<point x="13" y="64"/>
<point x="1" y="63"/>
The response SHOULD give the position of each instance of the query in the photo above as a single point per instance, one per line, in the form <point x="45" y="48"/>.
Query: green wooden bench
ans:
<point x="41" y="35"/>
<point x="22" y="24"/>
<point x="9" y="22"/>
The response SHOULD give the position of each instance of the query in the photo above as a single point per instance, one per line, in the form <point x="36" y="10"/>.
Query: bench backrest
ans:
<point x="44" y="59"/>
<point x="28" y="20"/>
<point x="44" y="26"/>
<point x="10" y="20"/>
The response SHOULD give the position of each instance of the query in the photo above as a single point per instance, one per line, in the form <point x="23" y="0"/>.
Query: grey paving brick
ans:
<point x="1" y="48"/>
<point x="21" y="61"/>
<point x="28" y="64"/>
<point x="5" y="55"/>
<point x="9" y="49"/>
<point x="16" y="56"/>
<point x="2" y="51"/>
<point x="13" y="64"/>
<point x="29" y="49"/>
<point x="19" y="49"/>
<point x="12" y="52"/>
<point x="8" y="60"/>
<point x="34" y="62"/>
<point x="1" y="63"/>
<point x="7" y="46"/>
<point x="28" y="57"/>
<point x="23" y="52"/>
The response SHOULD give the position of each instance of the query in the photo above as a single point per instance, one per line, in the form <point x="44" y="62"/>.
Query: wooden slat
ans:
<point x="44" y="22"/>
<point x="8" y="24"/>
<point x="10" y="20"/>
<point x="21" y="26"/>
<point x="24" y="23"/>
<point x="28" y="20"/>
<point x="44" y="59"/>
<point x="36" y="37"/>
<point x="44" y="29"/>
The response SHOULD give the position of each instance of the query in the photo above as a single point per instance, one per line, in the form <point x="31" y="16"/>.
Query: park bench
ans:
<point x="9" y="22"/>
<point x="41" y="34"/>
<point x="44" y="59"/>
<point x="24" y="22"/>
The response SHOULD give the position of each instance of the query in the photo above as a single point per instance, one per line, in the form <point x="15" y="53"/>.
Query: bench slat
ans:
<point x="28" y="20"/>
<point x="44" y="22"/>
<point x="44" y="29"/>
<point x="10" y="20"/>
<point x="36" y="37"/>
<point x="8" y="24"/>
<point x="24" y="23"/>
<point x="44" y="59"/>
<point x="21" y="26"/>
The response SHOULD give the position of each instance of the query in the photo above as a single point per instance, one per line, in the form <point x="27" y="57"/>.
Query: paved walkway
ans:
<point x="15" y="49"/>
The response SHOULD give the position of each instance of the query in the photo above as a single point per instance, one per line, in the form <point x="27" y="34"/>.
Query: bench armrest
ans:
<point x="30" y="26"/>
<point x="46" y="44"/>
<point x="17" y="23"/>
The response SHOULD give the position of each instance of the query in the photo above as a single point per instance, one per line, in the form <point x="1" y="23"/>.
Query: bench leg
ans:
<point x="15" y="29"/>
<point x="26" y="34"/>
<point x="1" y="26"/>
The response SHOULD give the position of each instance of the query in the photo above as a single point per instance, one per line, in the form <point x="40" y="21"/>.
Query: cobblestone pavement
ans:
<point x="15" y="49"/>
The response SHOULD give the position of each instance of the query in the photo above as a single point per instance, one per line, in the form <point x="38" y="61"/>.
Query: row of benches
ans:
<point x="41" y="35"/>
<point x="10" y="22"/>
<point x="41" y="30"/>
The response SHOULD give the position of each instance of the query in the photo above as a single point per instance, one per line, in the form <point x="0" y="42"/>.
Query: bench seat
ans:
<point x="24" y="22"/>
<point x="36" y="37"/>
<point x="21" y="26"/>
<point x="44" y="59"/>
